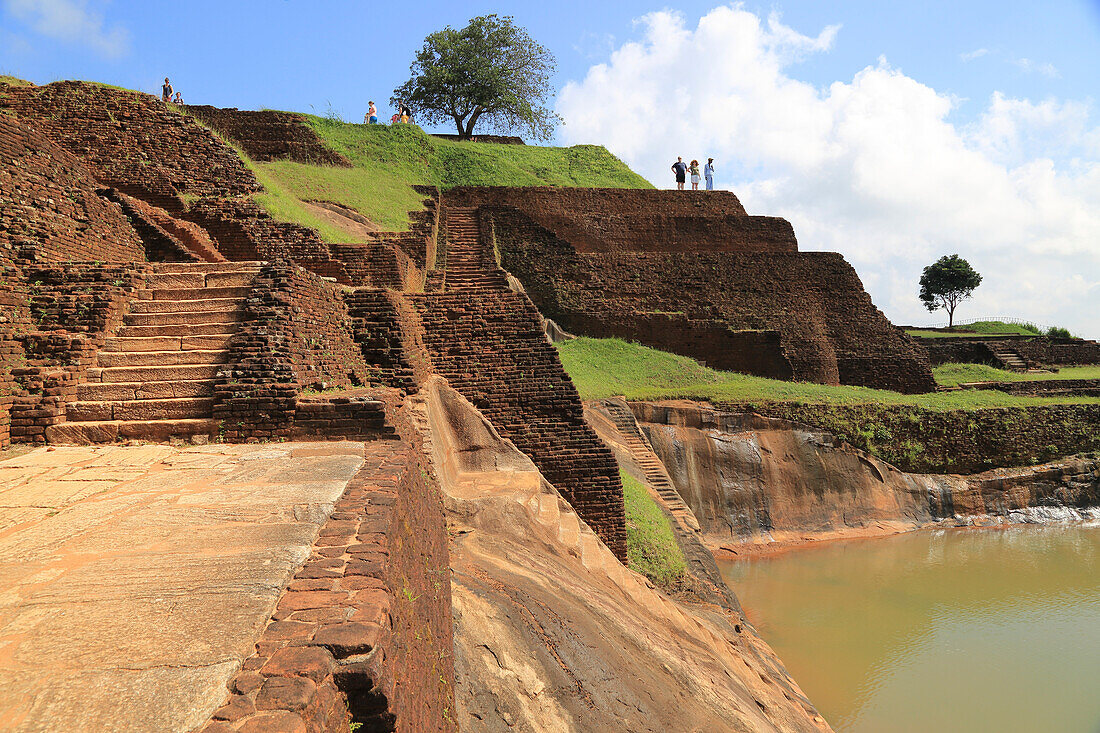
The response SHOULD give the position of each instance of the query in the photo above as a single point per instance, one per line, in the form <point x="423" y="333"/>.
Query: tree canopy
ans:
<point x="947" y="282"/>
<point x="490" y="71"/>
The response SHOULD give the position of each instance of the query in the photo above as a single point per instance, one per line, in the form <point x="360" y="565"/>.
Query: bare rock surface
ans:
<point x="134" y="580"/>
<point x="553" y="633"/>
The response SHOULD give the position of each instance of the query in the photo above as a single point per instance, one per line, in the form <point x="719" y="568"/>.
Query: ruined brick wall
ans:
<point x="15" y="321"/>
<point x="389" y="333"/>
<point x="71" y="310"/>
<point x="166" y="238"/>
<point x="958" y="441"/>
<point x="132" y="141"/>
<point x="491" y="348"/>
<point x="363" y="634"/>
<point x="49" y="209"/>
<point x="1042" y="350"/>
<point x="829" y="330"/>
<point x="496" y="139"/>
<point x="296" y="333"/>
<point x="269" y="135"/>
<point x="244" y="231"/>
<point x="637" y="220"/>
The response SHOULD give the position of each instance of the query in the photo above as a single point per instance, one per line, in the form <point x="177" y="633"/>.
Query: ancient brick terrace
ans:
<point x="145" y="296"/>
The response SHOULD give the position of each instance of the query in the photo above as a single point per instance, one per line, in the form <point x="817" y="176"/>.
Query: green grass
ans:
<point x="980" y="328"/>
<point x="950" y="375"/>
<point x="14" y="81"/>
<point x="388" y="160"/>
<point x="608" y="367"/>
<point x="651" y="548"/>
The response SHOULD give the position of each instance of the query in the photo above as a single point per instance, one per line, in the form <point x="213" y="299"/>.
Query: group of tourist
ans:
<point x="166" y="93"/>
<point x="403" y="116"/>
<point x="683" y="170"/>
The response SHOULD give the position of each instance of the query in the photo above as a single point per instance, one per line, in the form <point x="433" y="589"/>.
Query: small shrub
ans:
<point x="1059" y="333"/>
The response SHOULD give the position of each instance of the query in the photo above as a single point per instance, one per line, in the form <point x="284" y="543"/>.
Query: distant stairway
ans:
<point x="468" y="266"/>
<point x="155" y="379"/>
<point x="1009" y="357"/>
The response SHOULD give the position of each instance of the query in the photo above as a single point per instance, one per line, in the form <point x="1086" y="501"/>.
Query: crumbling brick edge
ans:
<point x="363" y="632"/>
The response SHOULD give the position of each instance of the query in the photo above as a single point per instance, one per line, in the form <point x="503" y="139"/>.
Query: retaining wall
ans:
<point x="269" y="135"/>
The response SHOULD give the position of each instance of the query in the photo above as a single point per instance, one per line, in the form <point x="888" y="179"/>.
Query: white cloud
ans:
<point x="1045" y="68"/>
<point x="975" y="54"/>
<point x="873" y="167"/>
<point x="71" y="21"/>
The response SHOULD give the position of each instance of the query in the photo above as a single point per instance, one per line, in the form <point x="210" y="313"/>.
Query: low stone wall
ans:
<point x="1042" y="350"/>
<point x="1049" y="387"/>
<point x="166" y="238"/>
<point x="244" y="231"/>
<point x="363" y="633"/>
<point x="496" y="139"/>
<point x="958" y="441"/>
<point x="269" y="135"/>
<point x="391" y="337"/>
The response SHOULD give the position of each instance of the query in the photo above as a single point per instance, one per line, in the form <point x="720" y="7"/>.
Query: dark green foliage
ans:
<point x="490" y="70"/>
<point x="946" y="283"/>
<point x="1059" y="333"/>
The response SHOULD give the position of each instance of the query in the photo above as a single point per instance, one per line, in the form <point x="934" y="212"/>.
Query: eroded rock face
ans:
<point x="750" y="479"/>
<point x="552" y="633"/>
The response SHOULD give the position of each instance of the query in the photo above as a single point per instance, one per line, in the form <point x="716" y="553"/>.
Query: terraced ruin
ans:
<point x="473" y="511"/>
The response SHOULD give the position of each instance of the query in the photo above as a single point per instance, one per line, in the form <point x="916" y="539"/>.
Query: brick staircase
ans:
<point x="1009" y="357"/>
<point x="468" y="267"/>
<point x="155" y="378"/>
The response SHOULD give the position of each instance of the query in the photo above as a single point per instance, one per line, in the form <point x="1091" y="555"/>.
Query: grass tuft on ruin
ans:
<point x="651" y="548"/>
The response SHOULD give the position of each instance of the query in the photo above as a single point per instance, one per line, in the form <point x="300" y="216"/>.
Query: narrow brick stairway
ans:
<point x="155" y="378"/>
<point x="1009" y="357"/>
<point x="468" y="267"/>
<point x="655" y="474"/>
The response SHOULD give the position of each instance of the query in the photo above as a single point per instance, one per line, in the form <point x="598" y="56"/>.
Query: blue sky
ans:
<point x="892" y="133"/>
<point x="302" y="55"/>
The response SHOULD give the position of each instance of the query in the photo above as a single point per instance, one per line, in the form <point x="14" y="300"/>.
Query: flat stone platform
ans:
<point x="135" y="580"/>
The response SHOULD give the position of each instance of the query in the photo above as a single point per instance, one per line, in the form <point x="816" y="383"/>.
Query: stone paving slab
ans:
<point x="134" y="580"/>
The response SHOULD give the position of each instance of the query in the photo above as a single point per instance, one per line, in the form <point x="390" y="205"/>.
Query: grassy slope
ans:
<point x="950" y="375"/>
<point x="608" y="367"/>
<point x="388" y="160"/>
<point x="980" y="328"/>
<point x="650" y="545"/>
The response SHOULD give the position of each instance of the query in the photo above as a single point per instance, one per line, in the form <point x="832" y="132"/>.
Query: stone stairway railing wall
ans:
<point x="389" y="333"/>
<point x="73" y="309"/>
<point x="491" y="348"/>
<point x="166" y="238"/>
<point x="267" y="135"/>
<point x="829" y="330"/>
<point x="363" y="633"/>
<point x="296" y="334"/>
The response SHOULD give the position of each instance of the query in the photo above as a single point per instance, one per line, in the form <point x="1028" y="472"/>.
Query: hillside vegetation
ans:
<point x="980" y="328"/>
<point x="950" y="375"/>
<point x="388" y="160"/>
<point x="609" y="367"/>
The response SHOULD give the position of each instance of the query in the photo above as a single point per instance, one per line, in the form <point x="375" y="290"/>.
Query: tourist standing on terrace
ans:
<point x="708" y="173"/>
<point x="371" y="117"/>
<point x="694" y="175"/>
<point x="178" y="99"/>
<point x="166" y="91"/>
<point x="681" y="172"/>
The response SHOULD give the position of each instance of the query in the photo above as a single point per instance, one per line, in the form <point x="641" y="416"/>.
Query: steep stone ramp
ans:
<point x="155" y="379"/>
<point x="553" y="633"/>
<point x="468" y="262"/>
<point x="137" y="580"/>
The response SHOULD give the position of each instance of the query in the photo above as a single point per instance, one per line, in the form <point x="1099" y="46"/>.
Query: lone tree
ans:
<point x="947" y="282"/>
<point x="490" y="70"/>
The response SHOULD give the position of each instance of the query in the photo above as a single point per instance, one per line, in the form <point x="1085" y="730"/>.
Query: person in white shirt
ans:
<point x="708" y="173"/>
<point x="371" y="117"/>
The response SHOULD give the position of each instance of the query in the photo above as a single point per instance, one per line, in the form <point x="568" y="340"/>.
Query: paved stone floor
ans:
<point x="134" y="580"/>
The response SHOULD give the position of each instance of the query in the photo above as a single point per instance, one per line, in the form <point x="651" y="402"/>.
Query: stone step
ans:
<point x="166" y="343"/>
<point x="123" y="391"/>
<point x="109" y="431"/>
<point x="170" y="280"/>
<point x="187" y="318"/>
<point x="205" y="305"/>
<point x="161" y="358"/>
<point x="184" y="267"/>
<point x="197" y="293"/>
<point x="176" y="408"/>
<point x="153" y="373"/>
<point x="185" y="330"/>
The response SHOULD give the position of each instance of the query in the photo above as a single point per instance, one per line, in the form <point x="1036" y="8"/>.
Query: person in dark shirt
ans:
<point x="680" y="169"/>
<point x="166" y="91"/>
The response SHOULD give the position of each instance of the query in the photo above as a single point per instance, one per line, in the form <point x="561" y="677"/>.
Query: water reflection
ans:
<point x="958" y="630"/>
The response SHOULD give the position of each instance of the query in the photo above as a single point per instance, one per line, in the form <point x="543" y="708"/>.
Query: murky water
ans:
<point x="958" y="630"/>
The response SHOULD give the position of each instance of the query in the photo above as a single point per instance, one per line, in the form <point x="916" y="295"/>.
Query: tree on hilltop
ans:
<point x="490" y="71"/>
<point x="947" y="282"/>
